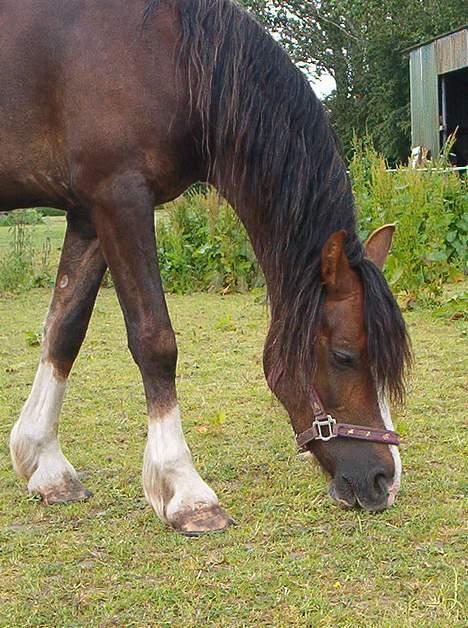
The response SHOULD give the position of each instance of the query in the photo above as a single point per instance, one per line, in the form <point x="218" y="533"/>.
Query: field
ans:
<point x="294" y="558"/>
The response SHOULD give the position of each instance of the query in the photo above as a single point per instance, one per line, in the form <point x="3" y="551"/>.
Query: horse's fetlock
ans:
<point x="25" y="451"/>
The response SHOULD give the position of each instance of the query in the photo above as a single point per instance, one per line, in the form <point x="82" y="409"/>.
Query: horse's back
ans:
<point x="84" y="85"/>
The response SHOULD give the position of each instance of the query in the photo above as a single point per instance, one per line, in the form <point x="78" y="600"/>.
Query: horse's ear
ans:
<point x="379" y="243"/>
<point x="334" y="263"/>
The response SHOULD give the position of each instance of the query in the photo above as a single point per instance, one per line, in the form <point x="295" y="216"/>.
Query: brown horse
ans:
<point x="109" y="108"/>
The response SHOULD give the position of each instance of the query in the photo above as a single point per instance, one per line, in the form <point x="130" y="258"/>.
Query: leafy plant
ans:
<point x="23" y="216"/>
<point x="454" y="307"/>
<point x="430" y="210"/>
<point x="33" y="338"/>
<point x="203" y="246"/>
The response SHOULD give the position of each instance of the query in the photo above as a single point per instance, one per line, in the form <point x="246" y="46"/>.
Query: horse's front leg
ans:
<point x="34" y="444"/>
<point x="124" y="219"/>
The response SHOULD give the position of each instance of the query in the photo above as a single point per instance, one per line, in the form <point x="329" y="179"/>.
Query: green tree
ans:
<point x="361" y="44"/>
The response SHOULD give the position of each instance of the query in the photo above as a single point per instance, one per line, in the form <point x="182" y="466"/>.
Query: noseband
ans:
<point x="325" y="427"/>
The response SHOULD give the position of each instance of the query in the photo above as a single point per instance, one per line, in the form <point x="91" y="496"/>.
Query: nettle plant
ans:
<point x="430" y="209"/>
<point x="203" y="246"/>
<point x="22" y="265"/>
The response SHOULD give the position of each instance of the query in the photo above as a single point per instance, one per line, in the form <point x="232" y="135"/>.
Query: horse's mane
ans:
<point x="271" y="151"/>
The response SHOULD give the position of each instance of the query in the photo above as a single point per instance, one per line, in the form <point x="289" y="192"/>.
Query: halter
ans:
<point x="325" y="427"/>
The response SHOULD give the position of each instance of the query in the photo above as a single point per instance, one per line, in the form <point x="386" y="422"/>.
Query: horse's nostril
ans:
<point x="381" y="483"/>
<point x="342" y="492"/>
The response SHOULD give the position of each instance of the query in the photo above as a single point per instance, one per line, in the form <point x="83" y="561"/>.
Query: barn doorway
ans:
<point x="453" y="110"/>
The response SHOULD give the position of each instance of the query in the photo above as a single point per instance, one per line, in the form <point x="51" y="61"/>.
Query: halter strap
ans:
<point x="325" y="428"/>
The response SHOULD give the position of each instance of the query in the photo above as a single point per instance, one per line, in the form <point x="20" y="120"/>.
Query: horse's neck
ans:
<point x="261" y="233"/>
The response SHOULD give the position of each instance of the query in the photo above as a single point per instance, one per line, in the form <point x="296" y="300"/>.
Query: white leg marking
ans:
<point x="170" y="481"/>
<point x="387" y="419"/>
<point x="34" y="446"/>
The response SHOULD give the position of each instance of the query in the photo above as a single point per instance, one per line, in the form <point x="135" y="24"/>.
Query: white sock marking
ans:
<point x="387" y="419"/>
<point x="34" y="446"/>
<point x="170" y="481"/>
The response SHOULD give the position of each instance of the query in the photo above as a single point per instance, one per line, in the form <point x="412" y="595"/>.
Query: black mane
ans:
<point x="272" y="153"/>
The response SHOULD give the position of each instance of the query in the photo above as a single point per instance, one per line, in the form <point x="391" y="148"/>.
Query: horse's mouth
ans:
<point x="343" y="494"/>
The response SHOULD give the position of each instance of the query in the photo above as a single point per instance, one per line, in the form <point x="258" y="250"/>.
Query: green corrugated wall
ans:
<point x="424" y="98"/>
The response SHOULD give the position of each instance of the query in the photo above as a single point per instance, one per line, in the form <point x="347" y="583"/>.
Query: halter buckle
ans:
<point x="326" y="428"/>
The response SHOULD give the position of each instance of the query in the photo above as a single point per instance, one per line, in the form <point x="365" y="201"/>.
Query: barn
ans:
<point x="439" y="93"/>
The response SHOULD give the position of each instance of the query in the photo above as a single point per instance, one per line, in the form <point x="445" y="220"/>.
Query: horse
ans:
<point x="111" y="108"/>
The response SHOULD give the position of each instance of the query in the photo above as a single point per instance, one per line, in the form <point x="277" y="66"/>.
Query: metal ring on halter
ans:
<point x="330" y="424"/>
<point x="325" y="428"/>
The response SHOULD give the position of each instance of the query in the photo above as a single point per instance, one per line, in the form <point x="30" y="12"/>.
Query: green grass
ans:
<point x="294" y="558"/>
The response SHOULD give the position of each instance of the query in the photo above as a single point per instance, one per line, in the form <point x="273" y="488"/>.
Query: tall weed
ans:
<point x="430" y="209"/>
<point x="203" y="246"/>
<point x="22" y="266"/>
<point x="25" y="216"/>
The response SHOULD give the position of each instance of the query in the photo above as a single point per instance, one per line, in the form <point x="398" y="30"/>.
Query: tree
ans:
<point x="361" y="44"/>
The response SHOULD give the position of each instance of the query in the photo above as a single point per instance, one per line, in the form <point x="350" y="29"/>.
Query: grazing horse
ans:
<point x="109" y="108"/>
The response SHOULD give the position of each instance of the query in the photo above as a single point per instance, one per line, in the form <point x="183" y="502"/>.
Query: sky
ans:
<point x="322" y="86"/>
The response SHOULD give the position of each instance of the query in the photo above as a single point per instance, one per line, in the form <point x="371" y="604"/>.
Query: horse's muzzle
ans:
<point x="374" y="494"/>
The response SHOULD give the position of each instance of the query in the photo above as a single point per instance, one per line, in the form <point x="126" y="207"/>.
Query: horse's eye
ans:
<point x="343" y="358"/>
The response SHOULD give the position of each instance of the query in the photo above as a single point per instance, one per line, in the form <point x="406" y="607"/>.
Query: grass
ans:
<point x="295" y="559"/>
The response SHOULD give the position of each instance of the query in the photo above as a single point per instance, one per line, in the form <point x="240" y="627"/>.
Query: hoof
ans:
<point x="67" y="491"/>
<point x="203" y="519"/>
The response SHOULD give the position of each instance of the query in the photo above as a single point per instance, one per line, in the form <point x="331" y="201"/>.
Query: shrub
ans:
<point x="203" y="246"/>
<point x="430" y="210"/>
<point x="50" y="211"/>
<point x="24" y="216"/>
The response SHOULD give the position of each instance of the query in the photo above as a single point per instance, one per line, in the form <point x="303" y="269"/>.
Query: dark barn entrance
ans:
<point x="453" y="107"/>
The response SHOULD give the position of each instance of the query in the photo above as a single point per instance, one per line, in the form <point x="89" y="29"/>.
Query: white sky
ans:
<point x="323" y="86"/>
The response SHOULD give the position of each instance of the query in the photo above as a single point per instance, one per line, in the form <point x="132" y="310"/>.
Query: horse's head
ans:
<point x="346" y="379"/>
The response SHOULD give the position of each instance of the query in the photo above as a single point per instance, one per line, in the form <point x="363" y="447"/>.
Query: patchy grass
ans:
<point x="295" y="558"/>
